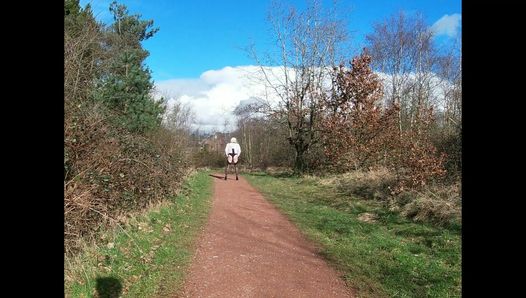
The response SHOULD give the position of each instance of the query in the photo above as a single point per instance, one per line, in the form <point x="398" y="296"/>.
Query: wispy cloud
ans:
<point x="447" y="25"/>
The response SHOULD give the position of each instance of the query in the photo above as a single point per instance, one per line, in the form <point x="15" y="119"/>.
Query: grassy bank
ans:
<point x="381" y="253"/>
<point x="145" y="255"/>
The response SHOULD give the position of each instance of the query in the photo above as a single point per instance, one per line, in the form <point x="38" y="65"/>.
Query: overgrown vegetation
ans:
<point x="118" y="157"/>
<point x="439" y="203"/>
<point x="145" y="255"/>
<point x="381" y="253"/>
<point x="393" y="105"/>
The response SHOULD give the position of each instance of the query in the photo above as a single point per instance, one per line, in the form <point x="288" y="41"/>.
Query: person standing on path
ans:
<point x="232" y="151"/>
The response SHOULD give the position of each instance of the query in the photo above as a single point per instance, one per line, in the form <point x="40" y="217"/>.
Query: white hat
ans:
<point x="233" y="140"/>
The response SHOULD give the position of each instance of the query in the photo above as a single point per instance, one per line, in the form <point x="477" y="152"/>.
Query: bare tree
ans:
<point x="307" y="44"/>
<point x="450" y="72"/>
<point x="243" y="114"/>
<point x="450" y="124"/>
<point x="425" y="82"/>
<point x="402" y="48"/>
<point x="179" y="117"/>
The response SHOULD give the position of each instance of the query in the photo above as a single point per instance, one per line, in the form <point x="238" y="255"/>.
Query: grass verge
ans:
<point x="146" y="255"/>
<point x="381" y="253"/>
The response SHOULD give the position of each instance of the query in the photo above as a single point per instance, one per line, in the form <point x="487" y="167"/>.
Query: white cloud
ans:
<point x="216" y="93"/>
<point x="447" y="25"/>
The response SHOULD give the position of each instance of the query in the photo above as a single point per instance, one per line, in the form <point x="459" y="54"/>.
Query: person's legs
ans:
<point x="235" y="168"/>
<point x="226" y="169"/>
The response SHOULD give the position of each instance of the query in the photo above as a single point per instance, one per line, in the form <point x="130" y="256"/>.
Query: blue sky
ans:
<point x="200" y="35"/>
<point x="197" y="57"/>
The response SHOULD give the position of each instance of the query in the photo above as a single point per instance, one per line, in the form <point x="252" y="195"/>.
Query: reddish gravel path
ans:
<point x="249" y="249"/>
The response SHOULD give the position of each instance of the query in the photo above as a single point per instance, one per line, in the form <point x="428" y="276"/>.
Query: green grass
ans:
<point x="148" y="256"/>
<point x="391" y="257"/>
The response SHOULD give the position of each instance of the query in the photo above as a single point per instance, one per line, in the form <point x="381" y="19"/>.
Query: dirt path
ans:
<point x="249" y="249"/>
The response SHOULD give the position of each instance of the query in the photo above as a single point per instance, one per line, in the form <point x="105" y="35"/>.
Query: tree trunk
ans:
<point x="299" y="160"/>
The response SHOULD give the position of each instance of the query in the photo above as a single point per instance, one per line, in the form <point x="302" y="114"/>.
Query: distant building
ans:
<point x="214" y="143"/>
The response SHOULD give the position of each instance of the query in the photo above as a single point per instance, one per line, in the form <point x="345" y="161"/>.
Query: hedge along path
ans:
<point x="249" y="249"/>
